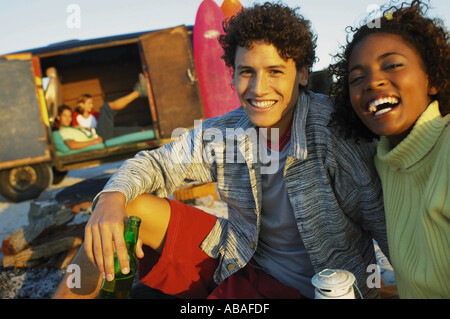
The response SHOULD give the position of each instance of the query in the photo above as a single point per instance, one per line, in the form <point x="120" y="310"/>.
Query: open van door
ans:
<point x="175" y="95"/>
<point x="24" y="150"/>
<point x="108" y="68"/>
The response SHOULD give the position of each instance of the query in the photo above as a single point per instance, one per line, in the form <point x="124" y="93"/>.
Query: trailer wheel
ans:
<point x="26" y="182"/>
<point x="58" y="176"/>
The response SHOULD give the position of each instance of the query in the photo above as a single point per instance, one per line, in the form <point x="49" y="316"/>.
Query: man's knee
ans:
<point x="81" y="281"/>
<point x="154" y="213"/>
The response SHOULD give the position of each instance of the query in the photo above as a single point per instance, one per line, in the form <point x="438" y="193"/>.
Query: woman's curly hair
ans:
<point x="275" y="24"/>
<point x="427" y="36"/>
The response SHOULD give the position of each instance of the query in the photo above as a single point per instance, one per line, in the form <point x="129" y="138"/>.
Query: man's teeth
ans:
<point x="373" y="106"/>
<point x="262" y="104"/>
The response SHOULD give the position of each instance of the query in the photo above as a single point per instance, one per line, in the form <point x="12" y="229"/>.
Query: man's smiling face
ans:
<point x="267" y="85"/>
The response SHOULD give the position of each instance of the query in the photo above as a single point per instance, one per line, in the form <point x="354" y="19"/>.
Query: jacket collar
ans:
<point x="298" y="148"/>
<point x="298" y="135"/>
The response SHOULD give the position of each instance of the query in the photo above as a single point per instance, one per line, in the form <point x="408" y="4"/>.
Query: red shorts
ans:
<point x="185" y="271"/>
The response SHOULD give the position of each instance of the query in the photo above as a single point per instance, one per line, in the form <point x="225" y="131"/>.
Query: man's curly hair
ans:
<point x="275" y="24"/>
<point x="428" y="37"/>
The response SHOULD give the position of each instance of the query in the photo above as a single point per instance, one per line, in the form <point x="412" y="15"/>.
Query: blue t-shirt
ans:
<point x="280" y="251"/>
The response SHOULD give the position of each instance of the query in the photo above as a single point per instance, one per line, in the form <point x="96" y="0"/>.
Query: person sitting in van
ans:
<point x="74" y="137"/>
<point x="82" y="136"/>
<point x="84" y="116"/>
<point x="102" y="121"/>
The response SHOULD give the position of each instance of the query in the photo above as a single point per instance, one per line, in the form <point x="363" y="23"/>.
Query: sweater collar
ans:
<point x="419" y="141"/>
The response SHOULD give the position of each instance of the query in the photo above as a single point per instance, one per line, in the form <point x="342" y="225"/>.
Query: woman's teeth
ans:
<point x="373" y="106"/>
<point x="382" y="111"/>
<point x="262" y="104"/>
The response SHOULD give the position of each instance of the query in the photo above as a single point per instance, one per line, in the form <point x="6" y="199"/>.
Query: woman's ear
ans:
<point x="432" y="90"/>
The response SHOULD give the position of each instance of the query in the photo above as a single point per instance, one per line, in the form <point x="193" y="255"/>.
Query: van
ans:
<point x="107" y="69"/>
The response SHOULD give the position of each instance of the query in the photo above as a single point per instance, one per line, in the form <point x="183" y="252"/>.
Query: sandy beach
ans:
<point x="36" y="283"/>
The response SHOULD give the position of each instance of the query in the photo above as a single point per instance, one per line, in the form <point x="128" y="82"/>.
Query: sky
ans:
<point x="26" y="24"/>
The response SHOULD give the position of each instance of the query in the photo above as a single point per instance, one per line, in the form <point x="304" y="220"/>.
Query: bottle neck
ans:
<point x="131" y="233"/>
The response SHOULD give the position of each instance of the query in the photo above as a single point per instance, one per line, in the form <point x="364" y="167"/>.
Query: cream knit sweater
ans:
<point x="416" y="184"/>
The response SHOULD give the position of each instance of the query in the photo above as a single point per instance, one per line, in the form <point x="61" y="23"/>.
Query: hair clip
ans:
<point x="389" y="15"/>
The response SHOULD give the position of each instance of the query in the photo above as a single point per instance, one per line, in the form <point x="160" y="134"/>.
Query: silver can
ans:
<point x="334" y="284"/>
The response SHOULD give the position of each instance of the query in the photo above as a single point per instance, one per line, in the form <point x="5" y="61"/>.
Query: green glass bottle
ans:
<point x="120" y="286"/>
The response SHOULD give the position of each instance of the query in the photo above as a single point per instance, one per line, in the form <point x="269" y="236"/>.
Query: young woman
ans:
<point x="84" y="115"/>
<point x="392" y="82"/>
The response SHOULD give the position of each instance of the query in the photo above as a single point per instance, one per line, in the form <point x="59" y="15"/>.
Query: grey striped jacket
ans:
<point x="331" y="182"/>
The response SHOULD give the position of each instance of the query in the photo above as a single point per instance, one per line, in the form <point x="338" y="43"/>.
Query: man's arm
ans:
<point x="158" y="172"/>
<point x="74" y="145"/>
<point x="354" y="167"/>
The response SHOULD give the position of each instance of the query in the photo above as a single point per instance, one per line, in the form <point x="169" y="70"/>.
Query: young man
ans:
<point x="73" y="137"/>
<point x="317" y="204"/>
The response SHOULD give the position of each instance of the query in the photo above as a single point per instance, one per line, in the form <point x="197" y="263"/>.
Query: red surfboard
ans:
<point x="214" y="77"/>
<point x="230" y="7"/>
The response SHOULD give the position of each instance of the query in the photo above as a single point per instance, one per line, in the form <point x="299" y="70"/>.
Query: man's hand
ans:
<point x="104" y="233"/>
<point x="98" y="139"/>
<point x="104" y="230"/>
<point x="74" y="145"/>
